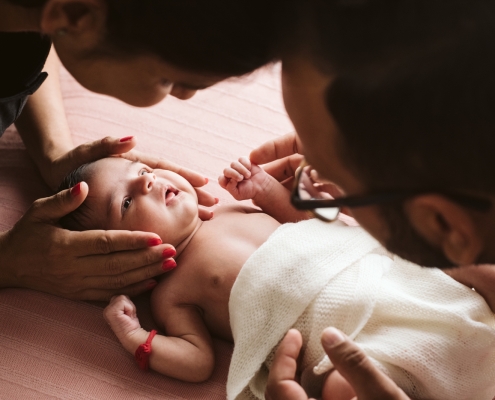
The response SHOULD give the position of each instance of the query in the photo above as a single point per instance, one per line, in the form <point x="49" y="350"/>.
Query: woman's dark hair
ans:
<point x="216" y="37"/>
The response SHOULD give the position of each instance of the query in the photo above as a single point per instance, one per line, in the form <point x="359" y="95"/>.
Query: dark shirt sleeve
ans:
<point x="24" y="55"/>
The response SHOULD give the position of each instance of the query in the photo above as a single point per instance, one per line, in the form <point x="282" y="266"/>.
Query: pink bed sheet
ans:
<point x="56" y="348"/>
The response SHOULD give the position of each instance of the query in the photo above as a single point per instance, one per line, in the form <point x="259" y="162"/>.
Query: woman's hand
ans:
<point x="280" y="157"/>
<point x="93" y="265"/>
<point x="195" y="179"/>
<point x="56" y="170"/>
<point x="367" y="381"/>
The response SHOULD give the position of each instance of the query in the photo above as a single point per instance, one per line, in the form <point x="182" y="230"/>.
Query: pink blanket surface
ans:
<point x="56" y="348"/>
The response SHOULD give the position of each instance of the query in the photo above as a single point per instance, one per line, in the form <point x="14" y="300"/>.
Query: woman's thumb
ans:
<point x="51" y="209"/>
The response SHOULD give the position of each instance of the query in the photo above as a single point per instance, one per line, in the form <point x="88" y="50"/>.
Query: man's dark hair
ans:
<point x="215" y="37"/>
<point x="413" y="99"/>
<point x="414" y="90"/>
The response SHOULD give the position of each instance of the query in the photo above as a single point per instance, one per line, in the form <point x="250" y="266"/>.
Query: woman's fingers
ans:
<point x="196" y="179"/>
<point x="73" y="264"/>
<point x="86" y="153"/>
<point x="206" y="199"/>
<point x="276" y="149"/>
<point x="101" y="148"/>
<point x="99" y="242"/>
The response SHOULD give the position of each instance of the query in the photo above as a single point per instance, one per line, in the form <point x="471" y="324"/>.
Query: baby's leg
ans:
<point x="336" y="387"/>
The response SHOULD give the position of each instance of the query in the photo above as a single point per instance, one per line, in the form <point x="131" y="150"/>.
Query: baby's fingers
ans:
<point x="243" y="166"/>
<point x="232" y="174"/>
<point x="223" y="181"/>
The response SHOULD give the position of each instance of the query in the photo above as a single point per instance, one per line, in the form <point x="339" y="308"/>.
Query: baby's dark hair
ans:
<point x="79" y="219"/>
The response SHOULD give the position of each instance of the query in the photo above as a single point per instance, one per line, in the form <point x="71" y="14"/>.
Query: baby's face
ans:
<point x="126" y="195"/>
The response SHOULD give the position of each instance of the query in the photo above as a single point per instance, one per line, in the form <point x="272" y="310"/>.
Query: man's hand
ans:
<point x="367" y="380"/>
<point x="243" y="179"/>
<point x="280" y="157"/>
<point x="93" y="265"/>
<point x="349" y="360"/>
<point x="195" y="179"/>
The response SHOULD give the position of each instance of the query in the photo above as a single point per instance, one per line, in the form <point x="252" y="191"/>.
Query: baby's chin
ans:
<point x="175" y="235"/>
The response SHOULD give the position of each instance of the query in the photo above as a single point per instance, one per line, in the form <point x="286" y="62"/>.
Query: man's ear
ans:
<point x="81" y="19"/>
<point x="447" y="226"/>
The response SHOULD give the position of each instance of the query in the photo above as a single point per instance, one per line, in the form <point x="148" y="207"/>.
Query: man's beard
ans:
<point x="407" y="243"/>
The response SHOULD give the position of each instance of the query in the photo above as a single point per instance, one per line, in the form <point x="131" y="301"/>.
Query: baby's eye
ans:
<point x="126" y="204"/>
<point x="143" y="172"/>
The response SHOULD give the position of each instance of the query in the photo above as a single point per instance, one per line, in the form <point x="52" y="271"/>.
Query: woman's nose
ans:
<point x="182" y="93"/>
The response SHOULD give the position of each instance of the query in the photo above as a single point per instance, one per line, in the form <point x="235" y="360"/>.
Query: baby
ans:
<point x="244" y="278"/>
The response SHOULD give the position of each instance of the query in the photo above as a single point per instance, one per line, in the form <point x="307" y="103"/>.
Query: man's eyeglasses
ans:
<point x="309" y="194"/>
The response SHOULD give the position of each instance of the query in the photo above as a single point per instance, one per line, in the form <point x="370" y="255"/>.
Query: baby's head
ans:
<point x="126" y="195"/>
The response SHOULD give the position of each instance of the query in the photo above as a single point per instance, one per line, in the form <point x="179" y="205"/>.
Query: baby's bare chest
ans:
<point x="205" y="275"/>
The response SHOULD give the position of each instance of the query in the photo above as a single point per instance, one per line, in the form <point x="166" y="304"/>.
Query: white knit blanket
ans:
<point x="433" y="336"/>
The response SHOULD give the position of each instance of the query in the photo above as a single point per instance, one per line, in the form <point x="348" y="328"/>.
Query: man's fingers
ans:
<point x="282" y="383"/>
<point x="284" y="168"/>
<point x="368" y="382"/>
<point x="51" y="209"/>
<point x="280" y="147"/>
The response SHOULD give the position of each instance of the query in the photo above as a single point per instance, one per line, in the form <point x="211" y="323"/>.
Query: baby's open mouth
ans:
<point x="170" y="193"/>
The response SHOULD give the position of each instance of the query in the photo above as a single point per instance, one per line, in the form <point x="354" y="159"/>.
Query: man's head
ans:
<point x="414" y="112"/>
<point x="125" y="195"/>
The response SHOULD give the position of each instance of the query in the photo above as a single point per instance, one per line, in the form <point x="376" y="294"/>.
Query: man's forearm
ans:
<point x="42" y="124"/>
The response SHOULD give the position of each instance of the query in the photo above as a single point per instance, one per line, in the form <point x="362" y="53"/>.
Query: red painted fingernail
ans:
<point x="170" y="252"/>
<point x="126" y="139"/>
<point x="169" y="265"/>
<point x="154" y="242"/>
<point x="76" y="190"/>
<point x="206" y="181"/>
<point x="151" y="285"/>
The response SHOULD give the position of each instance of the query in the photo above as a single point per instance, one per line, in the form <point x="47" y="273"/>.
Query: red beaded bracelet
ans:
<point x="143" y="352"/>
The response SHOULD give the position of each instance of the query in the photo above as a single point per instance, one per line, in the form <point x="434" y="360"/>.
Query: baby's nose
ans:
<point x="147" y="181"/>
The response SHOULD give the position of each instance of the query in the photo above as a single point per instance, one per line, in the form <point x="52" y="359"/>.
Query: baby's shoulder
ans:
<point x="233" y="209"/>
<point x="171" y="289"/>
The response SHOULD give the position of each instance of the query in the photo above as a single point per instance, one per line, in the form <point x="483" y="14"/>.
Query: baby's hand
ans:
<point x="121" y="316"/>
<point x="243" y="180"/>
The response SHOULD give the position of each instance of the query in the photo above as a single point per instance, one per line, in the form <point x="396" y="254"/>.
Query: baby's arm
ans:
<point x="186" y="353"/>
<point x="245" y="180"/>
